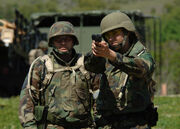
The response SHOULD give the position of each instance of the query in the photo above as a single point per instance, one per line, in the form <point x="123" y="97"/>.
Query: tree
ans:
<point x="171" y="47"/>
<point x="171" y="26"/>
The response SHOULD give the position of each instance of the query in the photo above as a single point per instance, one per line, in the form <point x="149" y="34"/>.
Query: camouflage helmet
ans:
<point x="116" y="20"/>
<point x="43" y="44"/>
<point x="62" y="28"/>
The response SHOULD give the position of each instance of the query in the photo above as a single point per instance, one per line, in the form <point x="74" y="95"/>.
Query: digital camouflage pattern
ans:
<point x="139" y="65"/>
<point x="62" y="28"/>
<point x="67" y="97"/>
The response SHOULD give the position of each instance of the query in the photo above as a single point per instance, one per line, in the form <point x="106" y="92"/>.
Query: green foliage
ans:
<point x="7" y="9"/>
<point x="27" y="7"/>
<point x="171" y="26"/>
<point x="171" y="47"/>
<point x="39" y="6"/>
<point x="30" y="6"/>
<point x="90" y="5"/>
<point x="171" y="65"/>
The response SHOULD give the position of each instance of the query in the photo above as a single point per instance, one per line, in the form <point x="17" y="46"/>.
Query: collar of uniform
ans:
<point x="136" y="49"/>
<point x="62" y="62"/>
<point x="129" y="50"/>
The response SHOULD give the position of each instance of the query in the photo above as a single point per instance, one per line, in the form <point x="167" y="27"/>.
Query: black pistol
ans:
<point x="97" y="37"/>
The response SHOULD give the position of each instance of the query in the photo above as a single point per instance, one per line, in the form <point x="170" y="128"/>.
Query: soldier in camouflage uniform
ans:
<point x="40" y="51"/>
<point x="57" y="92"/>
<point x="126" y="68"/>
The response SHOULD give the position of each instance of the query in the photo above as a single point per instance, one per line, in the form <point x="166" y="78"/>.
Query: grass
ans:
<point x="168" y="108"/>
<point x="9" y="113"/>
<point x="169" y="112"/>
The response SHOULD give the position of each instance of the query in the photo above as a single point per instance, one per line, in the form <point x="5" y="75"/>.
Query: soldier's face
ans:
<point x="115" y="38"/>
<point x="63" y="43"/>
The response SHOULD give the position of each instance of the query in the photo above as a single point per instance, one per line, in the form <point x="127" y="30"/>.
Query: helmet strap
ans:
<point x="122" y="44"/>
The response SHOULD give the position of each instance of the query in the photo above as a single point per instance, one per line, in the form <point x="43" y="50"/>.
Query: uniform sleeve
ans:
<point x="138" y="66"/>
<point x="94" y="64"/>
<point x="27" y="100"/>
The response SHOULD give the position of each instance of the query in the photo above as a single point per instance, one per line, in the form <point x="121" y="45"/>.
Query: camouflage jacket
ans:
<point x="132" y="72"/>
<point x="66" y="95"/>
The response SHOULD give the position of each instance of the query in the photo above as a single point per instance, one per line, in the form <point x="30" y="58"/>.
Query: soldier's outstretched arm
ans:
<point x="138" y="66"/>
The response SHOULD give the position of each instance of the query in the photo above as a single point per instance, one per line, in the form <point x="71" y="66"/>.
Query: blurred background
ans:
<point x="24" y="23"/>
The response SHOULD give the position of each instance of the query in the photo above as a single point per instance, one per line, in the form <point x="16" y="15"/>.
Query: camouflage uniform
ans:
<point x="62" y="101"/>
<point x="130" y="75"/>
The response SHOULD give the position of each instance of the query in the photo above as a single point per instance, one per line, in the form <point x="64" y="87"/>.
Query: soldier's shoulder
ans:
<point x="39" y="61"/>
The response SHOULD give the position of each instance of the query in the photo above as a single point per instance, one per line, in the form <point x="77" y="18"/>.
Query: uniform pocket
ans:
<point x="83" y="100"/>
